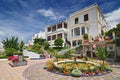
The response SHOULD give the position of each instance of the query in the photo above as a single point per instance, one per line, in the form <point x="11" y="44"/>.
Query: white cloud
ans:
<point x="9" y="31"/>
<point x="2" y="33"/>
<point x="113" y="18"/>
<point x="1" y="45"/>
<point x="51" y="14"/>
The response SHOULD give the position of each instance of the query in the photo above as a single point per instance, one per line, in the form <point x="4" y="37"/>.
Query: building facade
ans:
<point x="55" y="31"/>
<point x="37" y="35"/>
<point x="89" y="20"/>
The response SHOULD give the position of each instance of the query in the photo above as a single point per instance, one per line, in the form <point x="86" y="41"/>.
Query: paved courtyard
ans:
<point x="14" y="73"/>
<point x="36" y="72"/>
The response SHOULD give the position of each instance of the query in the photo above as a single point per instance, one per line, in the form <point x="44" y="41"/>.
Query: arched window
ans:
<point x="83" y="30"/>
<point x="77" y="31"/>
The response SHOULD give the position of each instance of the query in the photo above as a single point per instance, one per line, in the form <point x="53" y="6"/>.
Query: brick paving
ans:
<point x="36" y="72"/>
<point x="14" y="73"/>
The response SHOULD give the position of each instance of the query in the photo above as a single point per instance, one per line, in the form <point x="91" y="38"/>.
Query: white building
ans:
<point x="38" y="35"/>
<point x="88" y="20"/>
<point x="55" y="31"/>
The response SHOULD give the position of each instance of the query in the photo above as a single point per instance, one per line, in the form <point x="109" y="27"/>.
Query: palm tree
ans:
<point x="10" y="43"/>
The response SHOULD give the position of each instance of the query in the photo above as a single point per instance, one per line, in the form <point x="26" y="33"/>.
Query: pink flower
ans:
<point x="96" y="71"/>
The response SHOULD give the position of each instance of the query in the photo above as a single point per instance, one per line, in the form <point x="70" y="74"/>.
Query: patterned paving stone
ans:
<point x="37" y="72"/>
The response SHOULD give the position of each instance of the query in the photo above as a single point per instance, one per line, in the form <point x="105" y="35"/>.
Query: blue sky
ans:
<point x="23" y="18"/>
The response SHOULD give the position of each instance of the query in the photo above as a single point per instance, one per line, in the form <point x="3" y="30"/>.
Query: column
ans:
<point x="62" y="24"/>
<point x="71" y="43"/>
<point x="56" y="27"/>
<point x="63" y="35"/>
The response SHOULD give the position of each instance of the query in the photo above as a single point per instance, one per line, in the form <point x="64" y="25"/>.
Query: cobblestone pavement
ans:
<point x="36" y="72"/>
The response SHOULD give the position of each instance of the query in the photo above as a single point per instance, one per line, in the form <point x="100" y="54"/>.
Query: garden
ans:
<point x="79" y="66"/>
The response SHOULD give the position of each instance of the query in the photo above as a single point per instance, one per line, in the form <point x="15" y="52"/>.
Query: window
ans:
<point x="77" y="31"/>
<point x="65" y="25"/>
<point x="86" y="17"/>
<point x="59" y="35"/>
<point x="74" y="43"/>
<point x="48" y="38"/>
<point x="53" y="37"/>
<point x="60" y="25"/>
<point x="79" y="42"/>
<point x="83" y="30"/>
<point x="76" y="20"/>
<point x="53" y="28"/>
<point x="49" y="29"/>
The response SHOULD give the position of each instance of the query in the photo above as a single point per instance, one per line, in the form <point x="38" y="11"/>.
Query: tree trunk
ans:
<point x="103" y="61"/>
<point x="75" y="60"/>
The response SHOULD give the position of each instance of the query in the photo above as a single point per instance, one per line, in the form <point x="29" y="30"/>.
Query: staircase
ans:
<point x="45" y="53"/>
<point x="64" y="51"/>
<point x="31" y="55"/>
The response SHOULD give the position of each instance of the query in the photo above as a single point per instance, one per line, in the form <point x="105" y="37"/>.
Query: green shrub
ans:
<point x="10" y="51"/>
<point x="76" y="72"/>
<point x="26" y="56"/>
<point x="46" y="45"/>
<point x="85" y="36"/>
<point x="3" y="57"/>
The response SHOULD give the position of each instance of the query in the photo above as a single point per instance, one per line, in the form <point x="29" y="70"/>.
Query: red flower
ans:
<point x="13" y="58"/>
<point x="107" y="38"/>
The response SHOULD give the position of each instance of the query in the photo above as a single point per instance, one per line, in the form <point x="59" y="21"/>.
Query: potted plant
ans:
<point x="85" y="36"/>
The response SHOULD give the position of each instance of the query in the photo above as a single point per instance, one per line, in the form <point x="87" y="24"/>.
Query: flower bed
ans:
<point x="82" y="68"/>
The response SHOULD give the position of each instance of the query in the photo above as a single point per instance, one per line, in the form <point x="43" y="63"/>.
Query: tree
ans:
<point x="58" y="42"/>
<point x="46" y="45"/>
<point x="10" y="43"/>
<point x="116" y="30"/>
<point x="101" y="54"/>
<point x="39" y="41"/>
<point x="21" y="45"/>
<point x="55" y="54"/>
<point x="36" y="47"/>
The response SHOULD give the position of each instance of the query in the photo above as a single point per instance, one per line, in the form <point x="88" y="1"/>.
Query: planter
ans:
<point x="17" y="60"/>
<point x="86" y="40"/>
